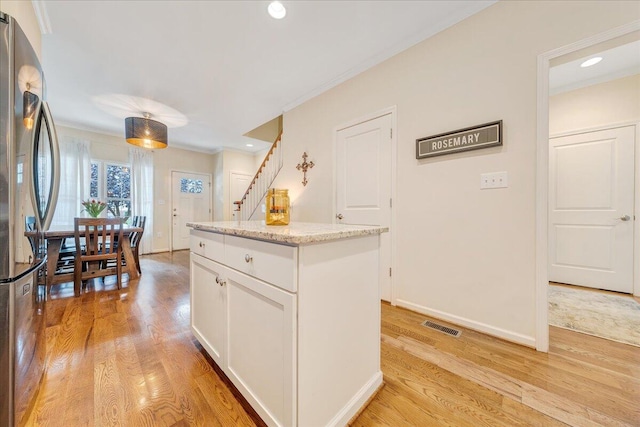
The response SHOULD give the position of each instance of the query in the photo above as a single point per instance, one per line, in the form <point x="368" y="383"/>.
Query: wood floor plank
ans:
<point x="109" y="402"/>
<point x="442" y="399"/>
<point x="614" y="356"/>
<point x="127" y="357"/>
<point x="549" y="403"/>
<point x="132" y="380"/>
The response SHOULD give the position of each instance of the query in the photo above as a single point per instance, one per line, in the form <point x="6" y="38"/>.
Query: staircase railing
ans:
<point x="261" y="182"/>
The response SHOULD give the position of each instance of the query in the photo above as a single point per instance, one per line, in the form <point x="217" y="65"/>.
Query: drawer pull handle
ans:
<point x="201" y="245"/>
<point x="248" y="258"/>
<point x="219" y="282"/>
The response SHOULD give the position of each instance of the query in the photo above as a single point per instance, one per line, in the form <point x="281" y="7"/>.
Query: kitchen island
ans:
<point x="291" y="314"/>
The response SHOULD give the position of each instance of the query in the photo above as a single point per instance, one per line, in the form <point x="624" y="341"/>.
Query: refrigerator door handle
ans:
<point x="33" y="160"/>
<point x="55" y="154"/>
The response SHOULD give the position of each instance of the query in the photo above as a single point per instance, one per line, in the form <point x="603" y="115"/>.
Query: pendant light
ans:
<point x="29" y="107"/>
<point x="145" y="133"/>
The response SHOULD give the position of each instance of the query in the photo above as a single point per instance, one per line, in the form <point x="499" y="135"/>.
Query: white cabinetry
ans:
<point x="208" y="306"/>
<point x="295" y="328"/>
<point x="261" y="345"/>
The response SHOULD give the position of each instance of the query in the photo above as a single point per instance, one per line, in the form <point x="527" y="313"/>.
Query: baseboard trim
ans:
<point x="157" y="251"/>
<point x="358" y="401"/>
<point x="471" y="324"/>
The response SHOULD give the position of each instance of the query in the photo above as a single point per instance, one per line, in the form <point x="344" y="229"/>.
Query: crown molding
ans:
<point x="40" y="8"/>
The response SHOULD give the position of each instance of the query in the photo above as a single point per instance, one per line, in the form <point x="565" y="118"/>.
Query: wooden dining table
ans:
<point x="55" y="238"/>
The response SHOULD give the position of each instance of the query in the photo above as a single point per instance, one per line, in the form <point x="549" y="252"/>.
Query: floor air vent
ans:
<point x="444" y="329"/>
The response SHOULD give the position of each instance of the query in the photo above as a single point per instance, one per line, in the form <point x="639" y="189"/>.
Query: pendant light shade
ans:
<point x="29" y="107"/>
<point x="145" y="133"/>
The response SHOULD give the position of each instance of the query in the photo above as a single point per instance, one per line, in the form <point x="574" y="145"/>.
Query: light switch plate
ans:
<point x="494" y="180"/>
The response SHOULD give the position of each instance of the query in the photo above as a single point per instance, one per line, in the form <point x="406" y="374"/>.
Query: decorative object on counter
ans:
<point x="29" y="107"/>
<point x="277" y="207"/>
<point x="94" y="207"/>
<point x="304" y="167"/>
<point x="145" y="133"/>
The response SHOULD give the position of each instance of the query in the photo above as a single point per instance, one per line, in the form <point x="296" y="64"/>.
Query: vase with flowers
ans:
<point x="94" y="207"/>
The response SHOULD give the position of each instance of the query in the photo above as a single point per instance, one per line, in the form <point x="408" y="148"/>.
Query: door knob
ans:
<point x="625" y="218"/>
<point x="339" y="216"/>
<point x="248" y="258"/>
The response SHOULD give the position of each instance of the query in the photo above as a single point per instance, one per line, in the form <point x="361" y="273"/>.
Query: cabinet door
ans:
<point x="261" y="346"/>
<point x="208" y="306"/>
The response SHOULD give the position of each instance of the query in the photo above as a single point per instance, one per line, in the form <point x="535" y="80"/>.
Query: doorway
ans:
<point x="544" y="203"/>
<point x="190" y="202"/>
<point x="238" y="184"/>
<point x="591" y="224"/>
<point x="368" y="144"/>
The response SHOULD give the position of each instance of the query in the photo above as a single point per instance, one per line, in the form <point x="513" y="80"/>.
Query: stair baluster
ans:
<point x="261" y="182"/>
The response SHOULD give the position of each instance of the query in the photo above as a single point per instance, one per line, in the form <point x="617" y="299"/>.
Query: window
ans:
<point x="111" y="182"/>
<point x="190" y="185"/>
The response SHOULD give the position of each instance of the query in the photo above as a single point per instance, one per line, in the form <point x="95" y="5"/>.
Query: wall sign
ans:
<point x="473" y="138"/>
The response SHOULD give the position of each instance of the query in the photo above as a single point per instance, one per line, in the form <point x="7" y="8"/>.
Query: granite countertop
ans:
<point x="296" y="233"/>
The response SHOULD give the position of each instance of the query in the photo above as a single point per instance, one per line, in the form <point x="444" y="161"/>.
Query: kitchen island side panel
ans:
<point x="338" y="329"/>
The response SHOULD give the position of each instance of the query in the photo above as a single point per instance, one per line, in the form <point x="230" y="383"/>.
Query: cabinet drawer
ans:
<point x="208" y="245"/>
<point x="273" y="263"/>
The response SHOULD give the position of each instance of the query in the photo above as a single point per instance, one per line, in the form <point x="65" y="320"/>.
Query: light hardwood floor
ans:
<point x="128" y="358"/>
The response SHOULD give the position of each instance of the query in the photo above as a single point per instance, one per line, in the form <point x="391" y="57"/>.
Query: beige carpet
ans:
<point x="610" y="316"/>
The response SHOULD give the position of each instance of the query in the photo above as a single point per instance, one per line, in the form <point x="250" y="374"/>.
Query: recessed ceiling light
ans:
<point x="249" y="145"/>
<point x="276" y="10"/>
<point x="590" y="62"/>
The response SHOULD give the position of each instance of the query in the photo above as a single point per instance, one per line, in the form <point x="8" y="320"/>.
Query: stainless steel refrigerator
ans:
<point x="29" y="176"/>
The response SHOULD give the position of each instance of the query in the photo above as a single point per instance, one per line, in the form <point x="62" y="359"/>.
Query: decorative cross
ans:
<point x="304" y="166"/>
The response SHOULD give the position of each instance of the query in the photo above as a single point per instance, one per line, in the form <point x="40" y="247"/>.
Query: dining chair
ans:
<point x="137" y="221"/>
<point x="67" y="253"/>
<point x="66" y="258"/>
<point x="91" y="261"/>
<point x="30" y="225"/>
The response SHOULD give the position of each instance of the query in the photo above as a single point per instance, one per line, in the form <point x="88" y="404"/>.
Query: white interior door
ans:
<point x="238" y="184"/>
<point x="191" y="200"/>
<point x="591" y="220"/>
<point x="363" y="183"/>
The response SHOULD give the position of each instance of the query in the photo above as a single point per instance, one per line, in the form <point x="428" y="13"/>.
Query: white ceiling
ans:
<point x="618" y="62"/>
<point x="226" y="66"/>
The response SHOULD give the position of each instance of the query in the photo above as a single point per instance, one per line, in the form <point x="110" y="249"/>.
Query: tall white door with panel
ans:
<point x="191" y="201"/>
<point x="591" y="201"/>
<point x="363" y="183"/>
<point x="238" y="184"/>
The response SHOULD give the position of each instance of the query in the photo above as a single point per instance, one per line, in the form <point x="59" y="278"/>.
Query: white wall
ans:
<point x="462" y="254"/>
<point x="23" y="12"/>
<point x="107" y="147"/>
<point x="235" y="161"/>
<point x="224" y="162"/>
<point x="218" y="186"/>
<point x="613" y="102"/>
